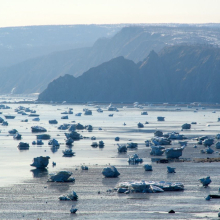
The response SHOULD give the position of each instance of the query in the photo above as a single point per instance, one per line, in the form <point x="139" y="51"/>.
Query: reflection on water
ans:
<point x="110" y="181"/>
<point x="38" y="173"/>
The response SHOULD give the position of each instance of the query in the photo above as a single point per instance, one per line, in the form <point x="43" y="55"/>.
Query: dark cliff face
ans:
<point x="178" y="74"/>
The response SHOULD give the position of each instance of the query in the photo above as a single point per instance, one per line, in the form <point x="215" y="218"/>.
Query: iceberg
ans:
<point x="122" y="148"/>
<point x="68" y="153"/>
<point x="157" y="150"/>
<point x="38" y="129"/>
<point x="53" y="121"/>
<point x="140" y="125"/>
<point x="171" y="170"/>
<point x="71" y="196"/>
<point x="205" y="181"/>
<point x="23" y="146"/>
<point x="43" y="136"/>
<point x="160" y="118"/>
<point x="53" y="142"/>
<point x="135" y="159"/>
<point x="186" y="126"/>
<point x="62" y="176"/>
<point x="148" y="167"/>
<point x="174" y="152"/>
<point x="132" y="145"/>
<point x="208" y="142"/>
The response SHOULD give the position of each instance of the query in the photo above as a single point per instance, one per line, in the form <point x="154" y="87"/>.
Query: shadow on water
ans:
<point x="38" y="173"/>
<point x="61" y="187"/>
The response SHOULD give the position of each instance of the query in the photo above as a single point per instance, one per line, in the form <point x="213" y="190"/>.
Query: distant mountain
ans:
<point x="18" y="44"/>
<point x="181" y="73"/>
<point x="133" y="43"/>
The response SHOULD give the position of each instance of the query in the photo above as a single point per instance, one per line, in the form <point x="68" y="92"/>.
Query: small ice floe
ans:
<point x="94" y="144"/>
<point x="217" y="145"/>
<point x="208" y="142"/>
<point x="135" y="159"/>
<point x="88" y="112"/>
<point x="144" y="113"/>
<point x="160" y="118"/>
<point x="89" y="127"/>
<point x="74" y="135"/>
<point x="174" y="152"/>
<point x="78" y="114"/>
<point x="17" y="136"/>
<point x="25" y="120"/>
<point x="68" y="153"/>
<point x="160" y="141"/>
<point x="208" y="197"/>
<point x="122" y="148"/>
<point x="110" y="171"/>
<point x="171" y="170"/>
<point x="23" y="146"/>
<point x="101" y="144"/>
<point x="36" y="119"/>
<point x="9" y="116"/>
<point x="148" y="167"/>
<point x="79" y="126"/>
<point x="53" y="121"/>
<point x="140" y="125"/>
<point x="132" y="145"/>
<point x="205" y="181"/>
<point x="33" y="115"/>
<point x="69" y="142"/>
<point x="209" y="150"/>
<point x="111" y="115"/>
<point x="157" y="150"/>
<point x="65" y="117"/>
<point x="53" y="142"/>
<point x="117" y="138"/>
<point x="40" y="162"/>
<point x="71" y="196"/>
<point x="193" y="123"/>
<point x="38" y="129"/>
<point x="73" y="210"/>
<point x="62" y="176"/>
<point x="43" y="136"/>
<point x="149" y="186"/>
<point x="186" y="126"/>
<point x="93" y="138"/>
<point x="175" y="136"/>
<point x="158" y="133"/>
<point x="4" y="123"/>
<point x="54" y="164"/>
<point x="99" y="110"/>
<point x="83" y="167"/>
<point x="38" y="142"/>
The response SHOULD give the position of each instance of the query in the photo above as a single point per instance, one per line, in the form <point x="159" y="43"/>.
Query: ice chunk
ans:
<point x="110" y="171"/>
<point x="174" y="152"/>
<point x="40" y="162"/>
<point x="157" y="150"/>
<point x="171" y="170"/>
<point x="71" y="196"/>
<point x="53" y="142"/>
<point x="135" y="159"/>
<point x="205" y="181"/>
<point x="148" y="167"/>
<point x="186" y="126"/>
<point x="122" y="148"/>
<point x="62" y="176"/>
<point x="38" y="129"/>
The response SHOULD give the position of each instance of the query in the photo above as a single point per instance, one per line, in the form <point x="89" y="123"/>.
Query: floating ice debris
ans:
<point x="135" y="159"/>
<point x="202" y="151"/>
<point x="72" y="128"/>
<point x="218" y="136"/>
<point x="73" y="210"/>
<point x="38" y="142"/>
<point x="183" y="143"/>
<point x="174" y="152"/>
<point x="99" y="110"/>
<point x="209" y="150"/>
<point x="160" y="118"/>
<point x="71" y="196"/>
<point x="208" y="198"/>
<point x="62" y="176"/>
<point x="148" y="167"/>
<point x="146" y="122"/>
<point x="205" y="181"/>
<point x="78" y="114"/>
<point x="122" y="148"/>
<point x="53" y="142"/>
<point x="84" y="167"/>
<point x="195" y="146"/>
<point x="69" y="141"/>
<point x="4" y="107"/>
<point x="110" y="115"/>
<point x="23" y="146"/>
<point x="79" y="126"/>
<point x="144" y="113"/>
<point x="157" y="150"/>
<point x="171" y="211"/>
<point x="171" y="170"/>
<point x="68" y="153"/>
<point x="38" y="129"/>
<point x="160" y="141"/>
<point x="147" y="143"/>
<point x="65" y="117"/>
<point x="40" y="162"/>
<point x="149" y="186"/>
<point x="132" y="145"/>
<point x="117" y="138"/>
<point x="208" y="142"/>
<point x="63" y="127"/>
<point x="217" y="145"/>
<point x="93" y="138"/>
<point x="158" y="133"/>
<point x="54" y="163"/>
<point x="53" y="121"/>
<point x="17" y="136"/>
<point x="140" y="125"/>
<point x="111" y="108"/>
<point x="101" y="144"/>
<point x="100" y="129"/>
<point x="186" y="126"/>
<point x="89" y="127"/>
<point x="13" y="131"/>
<point x="176" y="136"/>
<point x="88" y="112"/>
<point x="4" y="123"/>
<point x="1" y="120"/>
<point x="94" y="144"/>
<point x="9" y="116"/>
<point x="110" y="171"/>
<point x="25" y="120"/>
<point x="35" y="119"/>
<point x="43" y="136"/>
<point x="74" y="135"/>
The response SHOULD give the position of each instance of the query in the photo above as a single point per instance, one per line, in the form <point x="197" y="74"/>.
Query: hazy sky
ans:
<point x="43" y="12"/>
